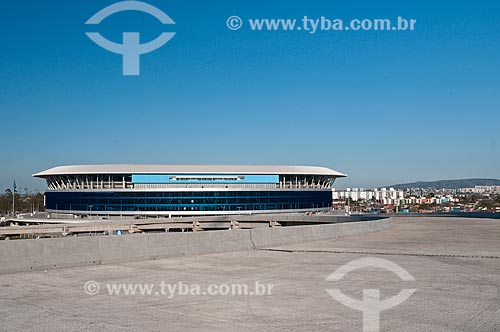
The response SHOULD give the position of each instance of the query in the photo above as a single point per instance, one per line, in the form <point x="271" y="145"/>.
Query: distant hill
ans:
<point x="449" y="184"/>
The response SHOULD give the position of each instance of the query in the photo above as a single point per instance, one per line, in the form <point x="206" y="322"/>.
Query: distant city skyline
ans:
<point x="340" y="184"/>
<point x="383" y="107"/>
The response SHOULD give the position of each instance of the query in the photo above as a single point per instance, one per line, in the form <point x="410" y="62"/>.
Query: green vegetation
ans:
<point x="23" y="202"/>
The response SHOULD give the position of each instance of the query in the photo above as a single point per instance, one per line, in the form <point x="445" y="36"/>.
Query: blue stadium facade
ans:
<point x="186" y="189"/>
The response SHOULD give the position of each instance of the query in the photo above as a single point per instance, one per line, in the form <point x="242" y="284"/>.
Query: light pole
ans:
<point x="14" y="201"/>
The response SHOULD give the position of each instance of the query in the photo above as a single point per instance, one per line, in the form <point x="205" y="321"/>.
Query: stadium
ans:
<point x="177" y="190"/>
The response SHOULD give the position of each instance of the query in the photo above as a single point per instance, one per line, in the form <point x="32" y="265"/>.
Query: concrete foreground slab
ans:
<point x="455" y="263"/>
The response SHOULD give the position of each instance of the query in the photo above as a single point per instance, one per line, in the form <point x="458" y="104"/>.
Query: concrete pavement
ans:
<point x="455" y="262"/>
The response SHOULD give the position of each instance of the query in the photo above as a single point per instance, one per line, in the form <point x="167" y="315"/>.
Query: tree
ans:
<point x="23" y="204"/>
<point x="486" y="204"/>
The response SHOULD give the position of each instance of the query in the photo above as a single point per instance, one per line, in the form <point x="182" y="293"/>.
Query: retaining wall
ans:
<point x="41" y="254"/>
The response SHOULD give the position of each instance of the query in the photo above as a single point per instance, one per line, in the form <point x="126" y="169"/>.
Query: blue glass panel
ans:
<point x="187" y="201"/>
<point x="204" y="178"/>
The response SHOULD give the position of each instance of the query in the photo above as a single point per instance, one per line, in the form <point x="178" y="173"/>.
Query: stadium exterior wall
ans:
<point x="187" y="190"/>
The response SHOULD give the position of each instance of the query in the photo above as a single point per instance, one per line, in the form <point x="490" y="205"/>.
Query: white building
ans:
<point x="382" y="195"/>
<point x="486" y="189"/>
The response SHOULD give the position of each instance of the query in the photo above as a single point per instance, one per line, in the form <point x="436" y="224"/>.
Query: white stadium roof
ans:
<point x="188" y="169"/>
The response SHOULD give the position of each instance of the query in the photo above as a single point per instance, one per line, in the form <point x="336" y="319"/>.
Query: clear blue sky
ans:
<point x="383" y="107"/>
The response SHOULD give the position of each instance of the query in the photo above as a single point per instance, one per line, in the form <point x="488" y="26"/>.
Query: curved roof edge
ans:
<point x="187" y="169"/>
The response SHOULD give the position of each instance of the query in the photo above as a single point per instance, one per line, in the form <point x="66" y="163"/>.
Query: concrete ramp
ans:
<point x="41" y="254"/>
